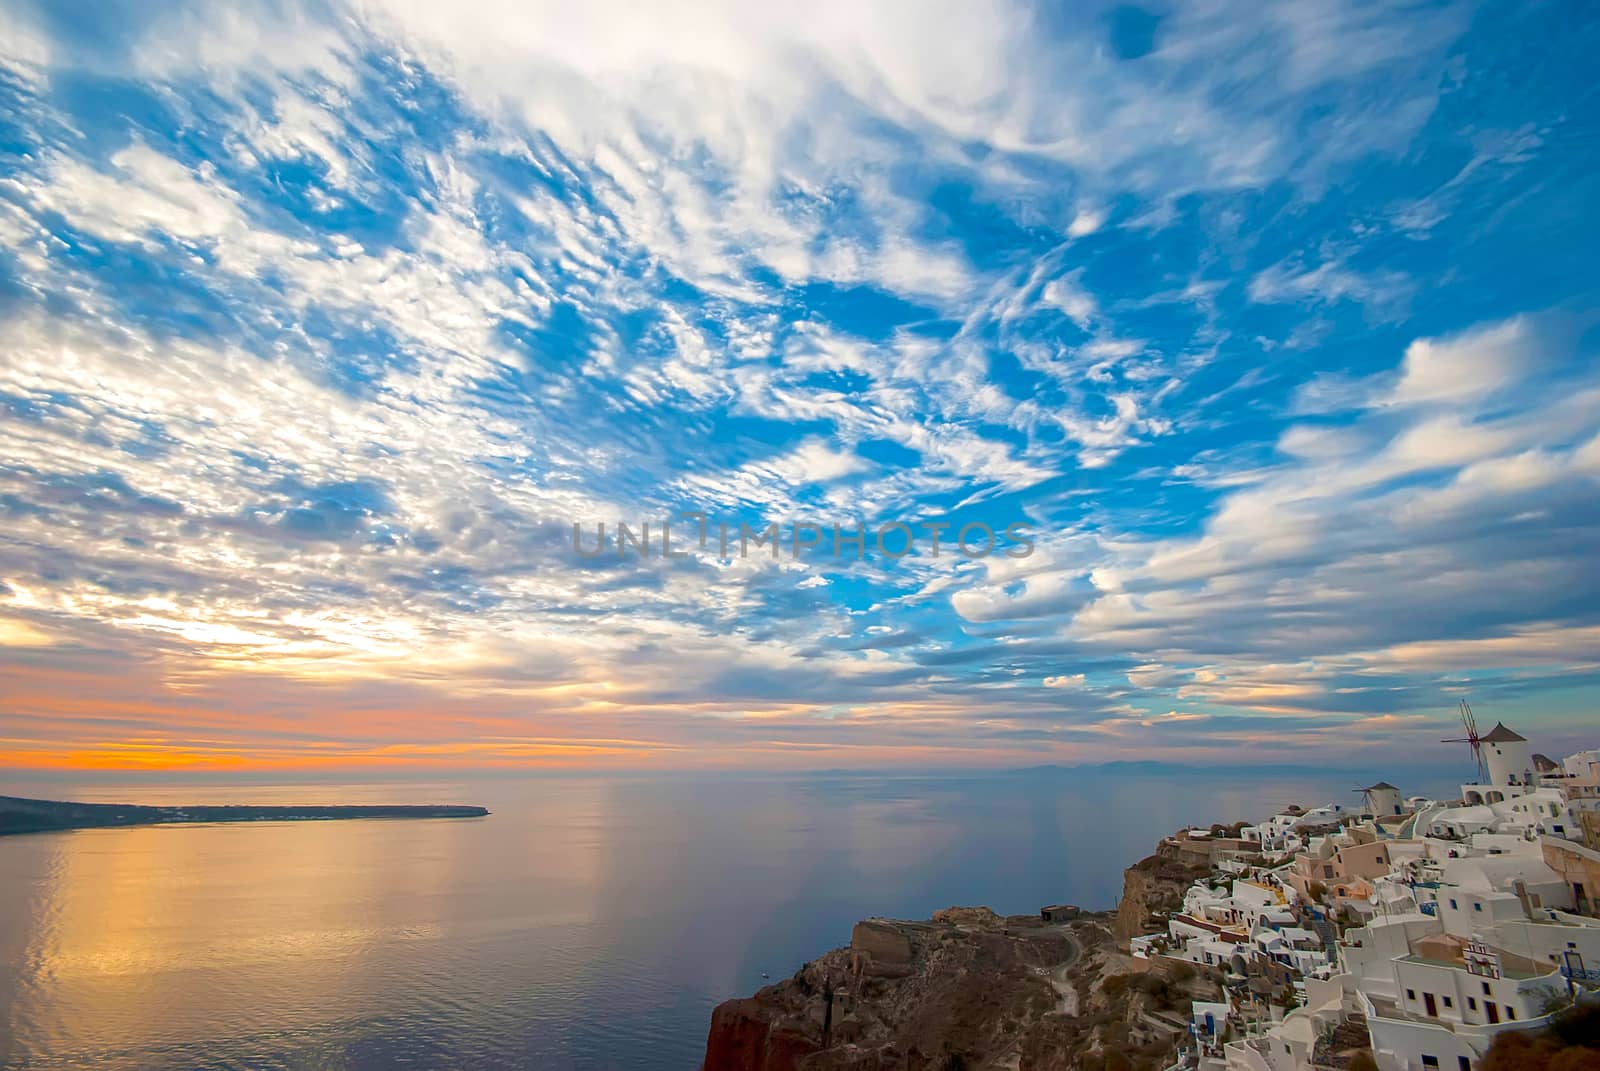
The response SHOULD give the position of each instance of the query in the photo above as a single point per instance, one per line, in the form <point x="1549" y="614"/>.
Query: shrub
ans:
<point x="1580" y="1026"/>
<point x="1571" y="1043"/>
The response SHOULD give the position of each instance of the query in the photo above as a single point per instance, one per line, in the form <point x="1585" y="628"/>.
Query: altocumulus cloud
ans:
<point x="322" y="323"/>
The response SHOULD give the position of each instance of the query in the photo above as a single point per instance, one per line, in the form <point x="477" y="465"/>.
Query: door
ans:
<point x="1433" y="1007"/>
<point x="1492" y="1010"/>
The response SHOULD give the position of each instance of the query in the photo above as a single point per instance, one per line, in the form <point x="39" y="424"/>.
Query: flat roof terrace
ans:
<point x="1514" y="973"/>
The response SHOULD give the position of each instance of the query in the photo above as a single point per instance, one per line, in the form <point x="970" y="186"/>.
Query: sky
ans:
<point x="1273" y="329"/>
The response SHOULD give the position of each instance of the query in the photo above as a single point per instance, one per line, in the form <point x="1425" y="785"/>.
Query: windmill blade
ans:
<point x="1469" y="722"/>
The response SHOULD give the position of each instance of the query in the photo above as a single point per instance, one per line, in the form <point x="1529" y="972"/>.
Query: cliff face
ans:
<point x="1155" y="884"/>
<point x="1140" y="899"/>
<point x="743" y="1035"/>
<point x="967" y="990"/>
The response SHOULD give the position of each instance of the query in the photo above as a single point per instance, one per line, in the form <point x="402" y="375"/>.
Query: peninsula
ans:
<point x="1394" y="934"/>
<point x="21" y="815"/>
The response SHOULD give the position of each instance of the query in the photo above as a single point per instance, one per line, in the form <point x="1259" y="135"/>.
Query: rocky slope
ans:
<point x="966" y="990"/>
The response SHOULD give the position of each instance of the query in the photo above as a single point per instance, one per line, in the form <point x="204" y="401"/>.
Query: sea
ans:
<point x="590" y="922"/>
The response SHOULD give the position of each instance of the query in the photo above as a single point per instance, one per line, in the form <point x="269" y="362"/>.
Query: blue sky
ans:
<point x="324" y="323"/>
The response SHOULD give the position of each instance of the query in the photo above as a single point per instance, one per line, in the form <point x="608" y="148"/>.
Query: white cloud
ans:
<point x="1086" y="222"/>
<point x="811" y="462"/>
<point x="150" y="196"/>
<point x="751" y="152"/>
<point x="1533" y="644"/>
<point x="1327" y="283"/>
<point x="24" y="47"/>
<point x="1468" y="366"/>
<point x="1069" y="296"/>
<point x="1378" y="529"/>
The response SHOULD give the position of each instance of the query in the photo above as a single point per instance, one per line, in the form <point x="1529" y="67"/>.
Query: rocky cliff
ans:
<point x="1154" y="887"/>
<point x="967" y="989"/>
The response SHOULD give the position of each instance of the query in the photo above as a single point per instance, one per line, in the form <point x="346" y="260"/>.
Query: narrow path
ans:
<point x="1059" y="980"/>
<point x="1065" y="990"/>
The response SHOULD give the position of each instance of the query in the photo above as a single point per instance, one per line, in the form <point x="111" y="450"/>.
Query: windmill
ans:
<point x="1472" y="738"/>
<point x="1366" y="799"/>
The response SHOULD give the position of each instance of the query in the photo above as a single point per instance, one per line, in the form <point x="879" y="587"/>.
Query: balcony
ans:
<point x="1478" y="1035"/>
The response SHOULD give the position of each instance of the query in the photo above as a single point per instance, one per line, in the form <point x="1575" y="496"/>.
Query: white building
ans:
<point x="1583" y="766"/>
<point x="1383" y="798"/>
<point x="1510" y="767"/>
<point x="1505" y="825"/>
<point x="1476" y="895"/>
<point x="1508" y="756"/>
<point x="1456" y="823"/>
<point x="1467" y="928"/>
<point x="1368" y="952"/>
<point x="1548" y="936"/>
<point x="1290" y="1044"/>
<point x="1295" y="948"/>
<point x="1454" y="997"/>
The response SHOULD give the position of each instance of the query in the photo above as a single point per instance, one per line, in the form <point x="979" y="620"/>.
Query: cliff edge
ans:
<point x="968" y="990"/>
<point x="1154" y="887"/>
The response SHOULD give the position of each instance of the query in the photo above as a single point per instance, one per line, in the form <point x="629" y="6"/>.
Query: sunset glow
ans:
<point x="323" y="327"/>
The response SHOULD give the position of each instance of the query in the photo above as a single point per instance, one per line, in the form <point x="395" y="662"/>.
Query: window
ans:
<point x="1453" y="904"/>
<point x="1430" y="1061"/>
<point x="1472" y="1003"/>
<point x="1487" y="991"/>
<point x="1477" y="907"/>
<point x="1448" y="1003"/>
<point x="1463" y="1063"/>
<point x="1511" y="1013"/>
<point x="1411" y="994"/>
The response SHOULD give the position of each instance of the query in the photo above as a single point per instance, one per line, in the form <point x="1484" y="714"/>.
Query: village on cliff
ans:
<point x="1424" y="928"/>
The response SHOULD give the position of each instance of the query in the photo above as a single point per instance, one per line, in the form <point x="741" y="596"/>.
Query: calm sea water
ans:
<point x="588" y="923"/>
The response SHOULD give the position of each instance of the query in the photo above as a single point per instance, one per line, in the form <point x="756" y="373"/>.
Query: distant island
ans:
<point x="20" y="815"/>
